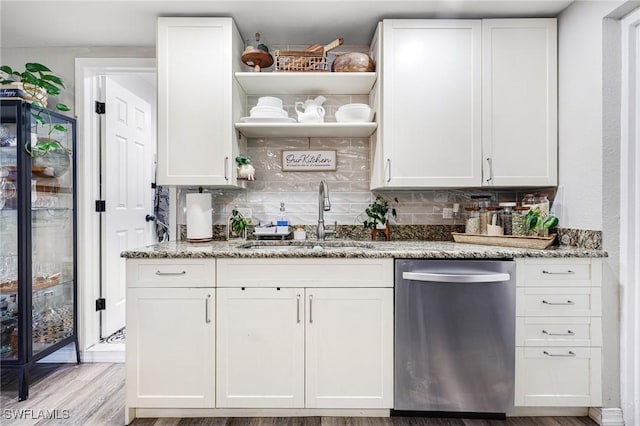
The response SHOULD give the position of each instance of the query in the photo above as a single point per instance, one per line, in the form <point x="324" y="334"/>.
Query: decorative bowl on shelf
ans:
<point x="354" y="113"/>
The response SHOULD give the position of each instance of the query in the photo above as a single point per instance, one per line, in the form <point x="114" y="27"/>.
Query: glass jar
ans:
<point x="472" y="220"/>
<point x="518" y="221"/>
<point x="528" y="200"/>
<point x="507" y="217"/>
<point x="483" y="202"/>
<point x="494" y="223"/>
<point x="542" y="203"/>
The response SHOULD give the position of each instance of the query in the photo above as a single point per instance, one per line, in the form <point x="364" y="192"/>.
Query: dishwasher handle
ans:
<point x="456" y="278"/>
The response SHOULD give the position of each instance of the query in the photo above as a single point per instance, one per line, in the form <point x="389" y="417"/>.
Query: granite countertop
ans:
<point x="347" y="249"/>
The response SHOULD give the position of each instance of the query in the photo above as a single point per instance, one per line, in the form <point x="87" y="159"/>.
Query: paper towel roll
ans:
<point x="199" y="221"/>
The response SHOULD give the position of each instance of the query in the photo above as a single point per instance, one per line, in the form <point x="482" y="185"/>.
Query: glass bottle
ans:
<point x="507" y="217"/>
<point x="483" y="202"/>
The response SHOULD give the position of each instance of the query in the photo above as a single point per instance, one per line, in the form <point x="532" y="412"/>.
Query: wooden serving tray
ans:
<point x="504" y="240"/>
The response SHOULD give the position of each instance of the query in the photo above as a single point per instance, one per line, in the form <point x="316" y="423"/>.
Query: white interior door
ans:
<point x="127" y="163"/>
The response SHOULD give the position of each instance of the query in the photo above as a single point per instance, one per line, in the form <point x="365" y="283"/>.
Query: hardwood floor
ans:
<point x="93" y="395"/>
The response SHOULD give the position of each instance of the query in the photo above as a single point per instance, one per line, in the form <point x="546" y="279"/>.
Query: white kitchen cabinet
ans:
<point x="349" y="348"/>
<point x="465" y="103"/>
<point x="558" y="333"/>
<point x="260" y="356"/>
<point x="295" y="347"/>
<point x="429" y="76"/>
<point x="170" y="347"/>
<point x="198" y="100"/>
<point x="519" y="102"/>
<point x="170" y="357"/>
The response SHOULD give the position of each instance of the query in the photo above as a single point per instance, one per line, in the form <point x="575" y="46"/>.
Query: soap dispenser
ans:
<point x="282" y="223"/>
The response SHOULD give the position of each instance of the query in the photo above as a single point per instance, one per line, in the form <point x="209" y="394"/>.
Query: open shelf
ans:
<point x="307" y="130"/>
<point x="309" y="83"/>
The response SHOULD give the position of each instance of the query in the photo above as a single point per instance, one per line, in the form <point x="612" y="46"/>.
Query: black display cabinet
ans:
<point x="38" y="289"/>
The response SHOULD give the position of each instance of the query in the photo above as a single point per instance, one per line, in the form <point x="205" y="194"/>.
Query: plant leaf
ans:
<point x="29" y="78"/>
<point x="53" y="79"/>
<point x="36" y="67"/>
<point x="6" y="69"/>
<point x="39" y="119"/>
<point x="60" y="127"/>
<point x="62" y="107"/>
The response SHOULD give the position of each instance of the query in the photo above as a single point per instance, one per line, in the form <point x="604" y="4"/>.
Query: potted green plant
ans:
<point x="538" y="222"/>
<point x="245" y="169"/>
<point x="377" y="213"/>
<point x="238" y="223"/>
<point x="38" y="83"/>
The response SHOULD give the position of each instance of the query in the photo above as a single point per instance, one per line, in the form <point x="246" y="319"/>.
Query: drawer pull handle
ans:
<point x="567" y="272"/>
<point x="568" y="355"/>
<point x="568" y="302"/>
<point x="171" y="273"/>
<point x="298" y="308"/>
<point x="310" y="309"/>
<point x="568" y="333"/>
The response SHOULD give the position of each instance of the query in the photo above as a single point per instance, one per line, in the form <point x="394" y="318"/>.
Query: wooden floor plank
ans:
<point x="94" y="395"/>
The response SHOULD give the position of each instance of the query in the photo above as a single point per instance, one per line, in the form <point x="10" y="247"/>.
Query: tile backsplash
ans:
<point x="348" y="184"/>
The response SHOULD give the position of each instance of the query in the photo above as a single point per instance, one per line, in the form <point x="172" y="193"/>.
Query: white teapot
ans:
<point x="312" y="110"/>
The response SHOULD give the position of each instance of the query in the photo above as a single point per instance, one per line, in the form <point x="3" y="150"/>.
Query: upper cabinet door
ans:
<point x="196" y="140"/>
<point x="520" y="96"/>
<point x="431" y="103"/>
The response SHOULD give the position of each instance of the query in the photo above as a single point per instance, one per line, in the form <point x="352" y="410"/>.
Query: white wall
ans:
<point x="62" y="62"/>
<point x="580" y="112"/>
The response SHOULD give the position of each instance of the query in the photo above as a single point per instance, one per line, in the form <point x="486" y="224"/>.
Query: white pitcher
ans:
<point x="311" y="110"/>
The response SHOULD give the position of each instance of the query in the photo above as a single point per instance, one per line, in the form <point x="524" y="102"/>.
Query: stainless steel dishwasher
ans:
<point x="454" y="337"/>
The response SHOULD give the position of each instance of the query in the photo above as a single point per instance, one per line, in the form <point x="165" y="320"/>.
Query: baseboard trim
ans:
<point x="66" y="354"/>
<point x="607" y="416"/>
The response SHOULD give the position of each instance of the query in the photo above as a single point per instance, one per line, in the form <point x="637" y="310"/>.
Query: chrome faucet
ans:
<point x="324" y="205"/>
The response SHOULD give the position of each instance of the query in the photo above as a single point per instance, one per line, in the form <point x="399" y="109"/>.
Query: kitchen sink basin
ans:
<point x="308" y="245"/>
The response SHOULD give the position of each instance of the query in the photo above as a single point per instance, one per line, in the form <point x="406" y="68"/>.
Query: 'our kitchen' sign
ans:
<point x="308" y="161"/>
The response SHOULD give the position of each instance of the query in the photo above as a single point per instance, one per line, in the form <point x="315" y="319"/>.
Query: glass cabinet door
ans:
<point x="8" y="233"/>
<point x="52" y="231"/>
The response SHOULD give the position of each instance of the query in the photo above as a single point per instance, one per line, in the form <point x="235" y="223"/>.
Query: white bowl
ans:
<point x="270" y="101"/>
<point x="354" y="113"/>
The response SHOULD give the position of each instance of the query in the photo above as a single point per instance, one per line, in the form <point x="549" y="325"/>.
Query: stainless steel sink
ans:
<point x="308" y="245"/>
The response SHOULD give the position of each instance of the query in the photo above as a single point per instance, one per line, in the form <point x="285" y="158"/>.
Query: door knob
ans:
<point x="149" y="218"/>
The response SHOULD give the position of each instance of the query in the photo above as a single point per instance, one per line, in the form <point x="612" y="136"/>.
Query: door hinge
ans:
<point x="101" y="304"/>
<point x="101" y="206"/>
<point x="100" y="107"/>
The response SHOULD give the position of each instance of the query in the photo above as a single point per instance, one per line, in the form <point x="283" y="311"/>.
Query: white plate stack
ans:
<point x="268" y="109"/>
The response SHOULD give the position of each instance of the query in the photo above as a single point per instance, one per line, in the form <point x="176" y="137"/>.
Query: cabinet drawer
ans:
<point x="571" y="272"/>
<point x="305" y="272"/>
<point x="171" y="272"/>
<point x="558" y="377"/>
<point x="559" y="302"/>
<point x="549" y="331"/>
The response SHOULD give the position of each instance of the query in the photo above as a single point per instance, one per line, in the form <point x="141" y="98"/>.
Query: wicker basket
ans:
<point x="291" y="60"/>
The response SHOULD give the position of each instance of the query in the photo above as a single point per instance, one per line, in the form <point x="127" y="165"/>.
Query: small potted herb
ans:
<point x="238" y="224"/>
<point x="538" y="222"/>
<point x="377" y="216"/>
<point x="245" y="169"/>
